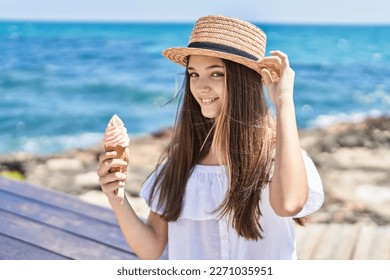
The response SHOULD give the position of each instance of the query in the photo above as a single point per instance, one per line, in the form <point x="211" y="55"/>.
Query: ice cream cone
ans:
<point x="116" y="139"/>
<point x="120" y="154"/>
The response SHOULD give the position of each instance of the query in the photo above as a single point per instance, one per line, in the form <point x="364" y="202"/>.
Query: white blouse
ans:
<point x="199" y="234"/>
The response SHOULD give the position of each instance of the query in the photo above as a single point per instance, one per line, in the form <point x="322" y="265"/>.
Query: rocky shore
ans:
<point x="353" y="160"/>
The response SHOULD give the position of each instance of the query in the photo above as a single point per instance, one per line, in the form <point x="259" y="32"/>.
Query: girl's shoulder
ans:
<point x="209" y="169"/>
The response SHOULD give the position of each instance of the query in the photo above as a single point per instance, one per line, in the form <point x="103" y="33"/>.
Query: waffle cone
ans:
<point x="120" y="154"/>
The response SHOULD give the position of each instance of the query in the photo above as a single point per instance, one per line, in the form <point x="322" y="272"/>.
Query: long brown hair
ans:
<point x="243" y="137"/>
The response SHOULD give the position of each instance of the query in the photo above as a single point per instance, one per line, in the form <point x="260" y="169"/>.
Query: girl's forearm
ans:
<point x="148" y="239"/>
<point x="288" y="188"/>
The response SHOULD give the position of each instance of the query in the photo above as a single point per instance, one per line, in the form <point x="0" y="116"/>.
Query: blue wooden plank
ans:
<point x="56" y="198"/>
<point x="57" y="240"/>
<point x="76" y="223"/>
<point x="15" y="249"/>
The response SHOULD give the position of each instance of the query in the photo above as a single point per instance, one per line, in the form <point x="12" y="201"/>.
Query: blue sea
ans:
<point x="60" y="83"/>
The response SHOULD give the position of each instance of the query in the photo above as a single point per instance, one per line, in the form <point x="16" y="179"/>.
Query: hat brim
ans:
<point x="180" y="56"/>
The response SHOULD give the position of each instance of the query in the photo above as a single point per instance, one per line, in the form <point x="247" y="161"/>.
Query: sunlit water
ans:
<point x="61" y="82"/>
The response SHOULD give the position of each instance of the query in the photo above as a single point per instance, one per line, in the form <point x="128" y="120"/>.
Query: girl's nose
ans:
<point x="202" y="86"/>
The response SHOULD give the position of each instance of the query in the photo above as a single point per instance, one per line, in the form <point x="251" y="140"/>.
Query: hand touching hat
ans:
<point x="283" y="89"/>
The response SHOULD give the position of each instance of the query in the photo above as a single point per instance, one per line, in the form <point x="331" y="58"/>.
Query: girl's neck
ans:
<point x="210" y="159"/>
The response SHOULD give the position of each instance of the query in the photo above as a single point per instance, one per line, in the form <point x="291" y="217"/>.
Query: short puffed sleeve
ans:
<point x="147" y="189"/>
<point x="315" y="189"/>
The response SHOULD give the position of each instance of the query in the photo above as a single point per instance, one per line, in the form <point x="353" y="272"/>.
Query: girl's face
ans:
<point x="207" y="83"/>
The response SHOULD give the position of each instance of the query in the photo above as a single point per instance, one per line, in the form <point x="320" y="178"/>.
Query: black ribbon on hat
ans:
<point x="222" y="48"/>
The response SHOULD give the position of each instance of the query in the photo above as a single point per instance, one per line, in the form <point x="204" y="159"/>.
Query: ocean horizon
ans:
<point x="60" y="82"/>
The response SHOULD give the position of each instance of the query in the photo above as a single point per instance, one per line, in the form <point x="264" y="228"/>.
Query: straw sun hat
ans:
<point x="227" y="38"/>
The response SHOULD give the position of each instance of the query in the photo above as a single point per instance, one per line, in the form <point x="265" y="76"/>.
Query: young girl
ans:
<point x="233" y="178"/>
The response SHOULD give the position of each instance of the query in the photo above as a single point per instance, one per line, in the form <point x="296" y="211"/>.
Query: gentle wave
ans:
<point x="323" y="121"/>
<point x="50" y="144"/>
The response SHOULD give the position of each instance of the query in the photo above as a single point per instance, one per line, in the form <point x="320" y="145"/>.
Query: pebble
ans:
<point x="64" y="164"/>
<point x="89" y="180"/>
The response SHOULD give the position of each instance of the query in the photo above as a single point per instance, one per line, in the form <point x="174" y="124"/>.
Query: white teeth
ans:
<point x="208" y="100"/>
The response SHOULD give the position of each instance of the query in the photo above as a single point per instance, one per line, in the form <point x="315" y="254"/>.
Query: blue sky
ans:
<point x="283" y="11"/>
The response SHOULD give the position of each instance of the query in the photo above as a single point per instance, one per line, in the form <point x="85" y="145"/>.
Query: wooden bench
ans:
<point x="39" y="223"/>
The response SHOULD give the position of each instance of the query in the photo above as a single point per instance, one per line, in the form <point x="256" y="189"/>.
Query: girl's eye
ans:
<point x="193" y="75"/>
<point x="217" y="74"/>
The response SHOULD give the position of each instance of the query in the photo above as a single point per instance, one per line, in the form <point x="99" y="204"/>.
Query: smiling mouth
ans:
<point x="208" y="100"/>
